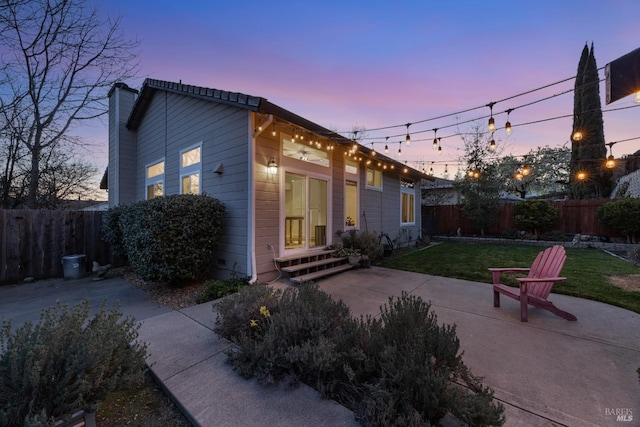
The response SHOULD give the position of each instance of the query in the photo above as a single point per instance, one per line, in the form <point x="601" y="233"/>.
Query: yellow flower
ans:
<point x="265" y="311"/>
<point x="253" y="323"/>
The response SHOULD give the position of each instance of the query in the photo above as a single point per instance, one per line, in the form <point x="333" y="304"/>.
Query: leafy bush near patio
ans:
<point x="622" y="215"/>
<point x="214" y="289"/>
<point x="366" y="242"/>
<point x="111" y="230"/>
<point x="400" y="369"/>
<point x="168" y="239"/>
<point x="66" y="362"/>
<point x="535" y="215"/>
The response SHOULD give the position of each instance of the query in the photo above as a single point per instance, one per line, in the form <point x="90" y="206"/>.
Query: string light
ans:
<point x="446" y="169"/>
<point x="611" y="161"/>
<point x="273" y="130"/>
<point x="492" y="122"/>
<point x="408" y="138"/>
<point x="507" y="126"/>
<point x="399" y="148"/>
<point x="373" y="150"/>
<point x="435" y="139"/>
<point x="492" y="144"/>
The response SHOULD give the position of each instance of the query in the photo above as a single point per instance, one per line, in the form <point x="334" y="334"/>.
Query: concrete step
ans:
<point x="321" y="273"/>
<point x="307" y="265"/>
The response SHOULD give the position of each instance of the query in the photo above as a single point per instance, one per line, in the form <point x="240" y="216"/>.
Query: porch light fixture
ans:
<point x="272" y="166"/>
<point x="408" y="138"/>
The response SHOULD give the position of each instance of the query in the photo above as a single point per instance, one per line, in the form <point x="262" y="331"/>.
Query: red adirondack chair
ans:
<point x="535" y="288"/>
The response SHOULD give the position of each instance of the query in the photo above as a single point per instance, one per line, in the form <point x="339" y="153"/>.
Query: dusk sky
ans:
<point x="372" y="64"/>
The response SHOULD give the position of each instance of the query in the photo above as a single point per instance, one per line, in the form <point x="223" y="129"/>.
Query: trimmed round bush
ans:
<point x="171" y="239"/>
<point x="535" y="215"/>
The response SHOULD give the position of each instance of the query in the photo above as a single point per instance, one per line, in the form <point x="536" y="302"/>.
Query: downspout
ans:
<point x="251" y="226"/>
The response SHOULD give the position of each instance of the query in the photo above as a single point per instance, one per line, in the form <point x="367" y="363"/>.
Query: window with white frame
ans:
<point x="374" y="179"/>
<point x="407" y="202"/>
<point x="351" y="204"/>
<point x="154" y="179"/>
<point x="190" y="169"/>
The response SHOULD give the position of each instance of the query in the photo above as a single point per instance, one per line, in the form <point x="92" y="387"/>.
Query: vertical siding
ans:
<point x="122" y="144"/>
<point x="174" y="122"/>
<point x="267" y="205"/>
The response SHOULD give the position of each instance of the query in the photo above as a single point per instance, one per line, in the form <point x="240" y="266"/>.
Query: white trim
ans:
<point x="193" y="169"/>
<point x="366" y="179"/>
<point x="155" y="179"/>
<point x="307" y="174"/>
<point x="412" y="192"/>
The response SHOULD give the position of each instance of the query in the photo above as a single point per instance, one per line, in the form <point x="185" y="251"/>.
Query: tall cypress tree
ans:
<point x="588" y="154"/>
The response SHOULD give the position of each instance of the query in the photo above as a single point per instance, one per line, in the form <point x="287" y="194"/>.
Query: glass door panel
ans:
<point x="295" y="201"/>
<point x="317" y="213"/>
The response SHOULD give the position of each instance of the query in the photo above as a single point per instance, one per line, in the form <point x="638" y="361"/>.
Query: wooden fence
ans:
<point x="574" y="216"/>
<point x="33" y="242"/>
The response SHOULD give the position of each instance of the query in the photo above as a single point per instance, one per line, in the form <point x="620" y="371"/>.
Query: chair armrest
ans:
<point x="495" y="272"/>
<point x="540" y="279"/>
<point x="511" y="269"/>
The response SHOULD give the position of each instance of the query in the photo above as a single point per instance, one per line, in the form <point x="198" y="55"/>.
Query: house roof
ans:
<point x="240" y="100"/>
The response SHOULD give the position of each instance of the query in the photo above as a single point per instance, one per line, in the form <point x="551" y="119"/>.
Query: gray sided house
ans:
<point x="288" y="184"/>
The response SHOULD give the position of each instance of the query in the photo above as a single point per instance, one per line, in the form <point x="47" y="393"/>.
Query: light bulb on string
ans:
<point x="611" y="161"/>
<point x="399" y="148"/>
<point x="492" y="122"/>
<point x="435" y="139"/>
<point x="273" y="130"/>
<point x="492" y="144"/>
<point x="373" y="150"/>
<point x="386" y="146"/>
<point x="408" y="138"/>
<point x="507" y="126"/>
<point x="446" y="169"/>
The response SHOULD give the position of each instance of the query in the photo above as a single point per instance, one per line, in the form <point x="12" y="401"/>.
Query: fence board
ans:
<point x="574" y="217"/>
<point x="33" y="242"/>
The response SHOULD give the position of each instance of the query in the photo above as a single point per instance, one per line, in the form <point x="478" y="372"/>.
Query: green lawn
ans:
<point x="587" y="270"/>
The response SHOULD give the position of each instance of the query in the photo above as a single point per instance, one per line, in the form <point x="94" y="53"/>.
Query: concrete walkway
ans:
<point x="546" y="372"/>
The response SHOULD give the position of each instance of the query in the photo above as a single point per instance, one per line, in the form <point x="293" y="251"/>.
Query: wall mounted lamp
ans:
<point x="272" y="166"/>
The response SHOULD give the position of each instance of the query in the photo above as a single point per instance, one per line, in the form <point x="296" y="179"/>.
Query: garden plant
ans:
<point x="66" y="362"/>
<point x="402" y="368"/>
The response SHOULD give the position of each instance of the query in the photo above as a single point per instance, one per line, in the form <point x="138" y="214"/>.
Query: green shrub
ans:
<point x="366" y="242"/>
<point x="622" y="215"/>
<point x="172" y="239"/>
<point x="399" y="369"/>
<point x="556" y="236"/>
<point x="509" y="233"/>
<point x="111" y="230"/>
<point x="535" y="215"/>
<point x="66" y="362"/>
<point x="214" y="289"/>
<point x="236" y="310"/>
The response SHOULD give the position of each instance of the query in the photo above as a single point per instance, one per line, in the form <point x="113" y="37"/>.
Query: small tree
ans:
<point x="535" y="215"/>
<point x="480" y="186"/>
